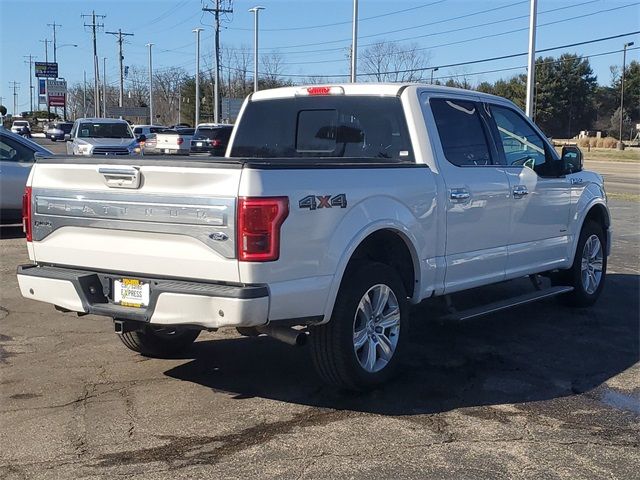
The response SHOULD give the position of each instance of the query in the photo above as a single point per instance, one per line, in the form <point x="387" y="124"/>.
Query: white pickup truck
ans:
<point x="335" y="209"/>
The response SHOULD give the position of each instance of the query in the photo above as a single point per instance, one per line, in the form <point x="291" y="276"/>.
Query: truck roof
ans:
<point x="374" y="89"/>
<point x="102" y="120"/>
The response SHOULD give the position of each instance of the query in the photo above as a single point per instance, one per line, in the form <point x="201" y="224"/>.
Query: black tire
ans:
<point x="573" y="277"/>
<point x="159" y="342"/>
<point x="332" y="345"/>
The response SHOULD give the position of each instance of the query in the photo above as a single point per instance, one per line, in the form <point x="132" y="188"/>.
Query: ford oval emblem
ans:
<point x="219" y="236"/>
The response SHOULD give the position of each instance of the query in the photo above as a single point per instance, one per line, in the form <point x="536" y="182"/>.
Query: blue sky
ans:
<point x="447" y="31"/>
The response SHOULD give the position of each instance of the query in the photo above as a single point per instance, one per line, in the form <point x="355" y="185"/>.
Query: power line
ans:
<point x="395" y="12"/>
<point x="470" y="62"/>
<point x="479" y="25"/>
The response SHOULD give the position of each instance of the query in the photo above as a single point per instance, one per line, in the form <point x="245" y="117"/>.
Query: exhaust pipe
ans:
<point x="287" y="335"/>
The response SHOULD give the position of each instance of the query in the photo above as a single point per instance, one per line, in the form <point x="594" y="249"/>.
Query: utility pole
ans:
<point x="120" y="41"/>
<point x="216" y="90"/>
<point x="55" y="45"/>
<point x="96" y="74"/>
<point x="16" y="87"/>
<point x="46" y="49"/>
<point x="104" y="86"/>
<point x="30" y="62"/>
<point x="256" y="12"/>
<point x="84" y="94"/>
<point x="197" y="117"/>
<point x="531" y="74"/>
<point x="150" y="85"/>
<point x="354" y="42"/>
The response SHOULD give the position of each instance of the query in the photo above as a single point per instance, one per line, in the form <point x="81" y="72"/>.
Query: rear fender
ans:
<point x="369" y="216"/>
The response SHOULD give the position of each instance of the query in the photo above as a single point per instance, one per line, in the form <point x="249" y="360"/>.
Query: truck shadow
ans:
<point x="531" y="353"/>
<point x="11" y="231"/>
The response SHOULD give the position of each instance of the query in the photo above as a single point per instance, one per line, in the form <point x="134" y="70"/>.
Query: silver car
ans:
<point x="17" y="155"/>
<point x="101" y="136"/>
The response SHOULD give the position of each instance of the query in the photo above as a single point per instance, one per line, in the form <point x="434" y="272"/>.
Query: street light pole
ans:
<point x="150" y="84"/>
<point x="354" y="41"/>
<point x="531" y="74"/>
<point x="104" y="86"/>
<point x="435" y="69"/>
<point x="197" y="32"/>
<point x="256" y="11"/>
<point x="624" y="66"/>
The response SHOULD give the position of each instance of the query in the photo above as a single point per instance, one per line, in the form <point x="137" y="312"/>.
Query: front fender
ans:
<point x="592" y="196"/>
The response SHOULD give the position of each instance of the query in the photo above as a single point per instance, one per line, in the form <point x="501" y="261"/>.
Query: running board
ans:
<point x="508" y="303"/>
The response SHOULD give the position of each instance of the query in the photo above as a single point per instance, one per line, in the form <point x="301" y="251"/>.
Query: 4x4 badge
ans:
<point x="313" y="202"/>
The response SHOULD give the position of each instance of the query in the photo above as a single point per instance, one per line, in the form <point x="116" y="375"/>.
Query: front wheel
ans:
<point x="159" y="341"/>
<point x="589" y="269"/>
<point x="360" y="347"/>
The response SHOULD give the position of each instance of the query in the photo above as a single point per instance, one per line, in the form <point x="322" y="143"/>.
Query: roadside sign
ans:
<point x="56" y="87"/>
<point x="46" y="69"/>
<point x="57" y="100"/>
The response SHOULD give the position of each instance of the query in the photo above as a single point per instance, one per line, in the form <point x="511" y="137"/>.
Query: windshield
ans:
<point x="212" y="133"/>
<point x="104" y="130"/>
<point x="20" y="124"/>
<point x="324" y="126"/>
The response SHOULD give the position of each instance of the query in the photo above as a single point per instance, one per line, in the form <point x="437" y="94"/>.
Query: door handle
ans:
<point x="520" y="191"/>
<point x="459" y="194"/>
<point x="121" y="177"/>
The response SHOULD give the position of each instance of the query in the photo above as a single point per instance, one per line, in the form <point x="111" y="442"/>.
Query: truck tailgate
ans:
<point x="150" y="217"/>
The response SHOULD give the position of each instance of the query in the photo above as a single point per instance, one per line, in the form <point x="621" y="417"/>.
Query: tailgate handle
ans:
<point x="121" y="177"/>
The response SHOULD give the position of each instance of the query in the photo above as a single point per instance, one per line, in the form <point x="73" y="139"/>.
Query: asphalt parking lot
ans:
<point x="541" y="391"/>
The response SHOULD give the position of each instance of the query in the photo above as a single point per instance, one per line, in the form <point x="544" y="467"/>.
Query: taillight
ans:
<point x="259" y="222"/>
<point x="180" y="140"/>
<point x="216" y="143"/>
<point x="26" y="213"/>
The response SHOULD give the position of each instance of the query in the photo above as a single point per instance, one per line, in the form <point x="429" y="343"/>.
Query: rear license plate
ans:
<point x="166" y="150"/>
<point x="199" y="144"/>
<point x="130" y="292"/>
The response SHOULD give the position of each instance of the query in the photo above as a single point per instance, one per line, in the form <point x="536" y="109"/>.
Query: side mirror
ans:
<point x="572" y="159"/>
<point x="67" y="137"/>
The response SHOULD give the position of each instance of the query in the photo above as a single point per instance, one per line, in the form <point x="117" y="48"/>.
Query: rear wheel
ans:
<point x="589" y="269"/>
<point x="360" y="347"/>
<point x="158" y="341"/>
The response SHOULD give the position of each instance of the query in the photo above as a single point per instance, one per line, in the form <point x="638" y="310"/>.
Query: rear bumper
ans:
<point x="172" y="302"/>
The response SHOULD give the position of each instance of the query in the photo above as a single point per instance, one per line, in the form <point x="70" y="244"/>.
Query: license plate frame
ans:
<point x="131" y="292"/>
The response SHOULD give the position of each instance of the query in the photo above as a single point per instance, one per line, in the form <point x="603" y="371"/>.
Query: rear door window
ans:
<point x="324" y="126"/>
<point x="462" y="135"/>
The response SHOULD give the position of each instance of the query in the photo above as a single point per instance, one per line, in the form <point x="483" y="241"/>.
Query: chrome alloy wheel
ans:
<point x="376" y="328"/>
<point x="591" y="267"/>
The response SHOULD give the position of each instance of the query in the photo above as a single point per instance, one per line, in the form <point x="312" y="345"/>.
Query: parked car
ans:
<point x="211" y="138"/>
<point x="57" y="131"/>
<point x="346" y="206"/>
<point x="101" y="136"/>
<point x="146" y="130"/>
<point x="172" y="142"/>
<point x="21" y="127"/>
<point x="17" y="155"/>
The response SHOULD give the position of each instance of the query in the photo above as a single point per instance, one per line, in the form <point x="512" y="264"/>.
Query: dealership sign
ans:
<point x="46" y="69"/>
<point x="56" y="93"/>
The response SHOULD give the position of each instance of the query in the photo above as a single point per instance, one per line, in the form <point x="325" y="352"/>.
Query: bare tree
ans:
<point x="166" y="91"/>
<point x="272" y="69"/>
<point x="393" y="62"/>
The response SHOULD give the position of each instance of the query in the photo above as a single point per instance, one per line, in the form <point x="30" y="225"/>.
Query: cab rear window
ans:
<point x="326" y="126"/>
